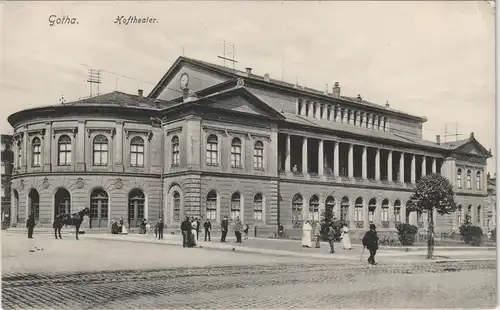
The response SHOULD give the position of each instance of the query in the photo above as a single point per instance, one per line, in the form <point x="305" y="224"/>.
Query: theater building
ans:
<point x="212" y="141"/>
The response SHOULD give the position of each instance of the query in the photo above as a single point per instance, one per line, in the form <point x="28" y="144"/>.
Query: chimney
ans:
<point x="140" y="93"/>
<point x="438" y="139"/>
<point x="336" y="90"/>
<point x="359" y="98"/>
<point x="387" y="104"/>
<point x="249" y="70"/>
<point x="471" y="135"/>
<point x="266" y="76"/>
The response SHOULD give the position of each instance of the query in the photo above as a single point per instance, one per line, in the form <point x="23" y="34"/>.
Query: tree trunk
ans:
<point x="430" y="236"/>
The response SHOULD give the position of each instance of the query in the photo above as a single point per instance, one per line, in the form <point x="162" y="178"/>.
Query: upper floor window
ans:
<point x="19" y="155"/>
<point x="137" y="152"/>
<point x="469" y="179"/>
<point x="258" y="155"/>
<point x="236" y="153"/>
<point x="459" y="178"/>
<point x="36" y="153"/>
<point x="64" y="151"/>
<point x="478" y="180"/>
<point x="175" y="151"/>
<point x="100" y="146"/>
<point x="212" y="151"/>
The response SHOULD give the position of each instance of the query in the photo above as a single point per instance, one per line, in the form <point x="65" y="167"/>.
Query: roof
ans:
<point x="121" y="99"/>
<point x="254" y="77"/>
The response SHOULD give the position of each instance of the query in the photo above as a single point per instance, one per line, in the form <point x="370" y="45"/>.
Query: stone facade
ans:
<point x="234" y="145"/>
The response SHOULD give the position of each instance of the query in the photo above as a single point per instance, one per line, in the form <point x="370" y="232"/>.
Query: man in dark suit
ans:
<point x="186" y="231"/>
<point x="197" y="228"/>
<point x="224" y="226"/>
<point x="58" y="224"/>
<point x="208" y="228"/>
<point x="370" y="241"/>
<point x="30" y="224"/>
<point x="161" y="226"/>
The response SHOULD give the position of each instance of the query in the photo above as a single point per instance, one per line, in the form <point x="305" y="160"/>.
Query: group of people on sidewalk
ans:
<point x="370" y="239"/>
<point x="118" y="226"/>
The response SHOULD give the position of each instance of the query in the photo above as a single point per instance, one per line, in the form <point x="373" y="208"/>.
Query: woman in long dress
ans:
<point x="306" y="235"/>
<point x="193" y="231"/>
<point x="346" y="241"/>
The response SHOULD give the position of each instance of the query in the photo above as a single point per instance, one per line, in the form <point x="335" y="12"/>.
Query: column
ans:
<point x="337" y="114"/>
<point x="311" y="108"/>
<point x="370" y="121"/>
<point x="377" y="164"/>
<point x="331" y="117"/>
<point x="118" y="151"/>
<point x="320" y="157"/>
<point x="47" y="146"/>
<point x="318" y="110"/>
<point x="303" y="108"/>
<point x="389" y="166"/>
<point x="304" y="156"/>
<point x="325" y="111"/>
<point x="433" y="165"/>
<point x="80" y="146"/>
<point x="424" y="166"/>
<point x="335" y="159"/>
<point x="351" y="161"/>
<point x="402" y="168"/>
<point x="413" y="174"/>
<point x="344" y="117"/>
<point x="350" y="117"/>
<point x="287" y="155"/>
<point x="364" y="163"/>
<point x="365" y="120"/>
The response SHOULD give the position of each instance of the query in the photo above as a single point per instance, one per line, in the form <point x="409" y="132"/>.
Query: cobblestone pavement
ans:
<point x="294" y="285"/>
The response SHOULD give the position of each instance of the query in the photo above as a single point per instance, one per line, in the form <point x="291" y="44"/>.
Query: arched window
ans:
<point x="372" y="205"/>
<point x="212" y="151"/>
<point x="62" y="202"/>
<point x="99" y="208"/>
<point x="468" y="216"/>
<point x="459" y="214"/>
<point x="64" y="144"/>
<point x="358" y="212"/>
<point x="212" y="206"/>
<point x="469" y="179"/>
<point x="19" y="155"/>
<point x="329" y="207"/>
<point x="177" y="205"/>
<point x="100" y="150"/>
<point x="344" y="209"/>
<point x="478" y="180"/>
<point x="479" y="216"/>
<point x="136" y="206"/>
<point x="34" y="204"/>
<point x="385" y="213"/>
<point x="235" y="205"/>
<point x="459" y="178"/>
<point x="257" y="207"/>
<point x="313" y="214"/>
<point x="137" y="152"/>
<point x="397" y="211"/>
<point x="297" y="204"/>
<point x="236" y="153"/>
<point x="258" y="155"/>
<point x="36" y="152"/>
<point x="175" y="151"/>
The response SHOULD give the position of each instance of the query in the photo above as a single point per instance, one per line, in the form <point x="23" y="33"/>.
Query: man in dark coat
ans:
<point x="186" y="232"/>
<point x="197" y="228"/>
<point x="58" y="224"/>
<point x="161" y="226"/>
<point x="370" y="241"/>
<point x="30" y="224"/>
<point x="224" y="226"/>
<point x="208" y="228"/>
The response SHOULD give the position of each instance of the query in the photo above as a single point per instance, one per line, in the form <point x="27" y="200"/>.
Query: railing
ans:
<point x="359" y="224"/>
<point x="420" y="224"/>
<point x="385" y="224"/>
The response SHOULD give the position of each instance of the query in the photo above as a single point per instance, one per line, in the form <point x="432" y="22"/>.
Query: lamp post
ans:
<point x="162" y="122"/>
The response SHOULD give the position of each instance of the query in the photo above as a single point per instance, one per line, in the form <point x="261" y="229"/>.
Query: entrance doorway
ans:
<point x="62" y="202"/>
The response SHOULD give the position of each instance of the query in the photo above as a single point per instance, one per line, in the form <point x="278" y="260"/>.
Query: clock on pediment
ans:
<point x="184" y="80"/>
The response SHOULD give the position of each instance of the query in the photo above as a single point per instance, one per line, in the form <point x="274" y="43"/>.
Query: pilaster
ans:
<point x="413" y="170"/>
<point x="287" y="155"/>
<point x="304" y="156"/>
<point x="351" y="161"/>
<point x="320" y="158"/>
<point x="335" y="158"/>
<point x="389" y="166"/>
<point x="47" y="148"/>
<point x="80" y="146"/>
<point x="377" y="164"/>
<point x="364" y="172"/>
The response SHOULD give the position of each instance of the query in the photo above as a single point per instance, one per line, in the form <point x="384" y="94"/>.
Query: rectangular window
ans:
<point x="344" y="211"/>
<point x="100" y="154"/>
<point x="137" y="155"/>
<point x="211" y="155"/>
<point x="236" y="156"/>
<point x="177" y="209"/>
<point x="358" y="212"/>
<point x="257" y="211"/>
<point x="211" y="209"/>
<point x="258" y="158"/>
<point x="385" y="214"/>
<point x="397" y="214"/>
<point x="371" y="212"/>
<point x="65" y="154"/>
<point x="36" y="155"/>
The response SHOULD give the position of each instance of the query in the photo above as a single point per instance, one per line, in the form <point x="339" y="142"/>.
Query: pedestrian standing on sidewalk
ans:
<point x="197" y="229"/>
<point x="370" y="241"/>
<point x="331" y="239"/>
<point x="193" y="231"/>
<point x="245" y="231"/>
<point x="237" y="229"/>
<point x="161" y="226"/>
<point x="317" y="235"/>
<point x="58" y="224"/>
<point x="306" y="235"/>
<point x="208" y="227"/>
<point x="185" y="229"/>
<point x="30" y="224"/>
<point x="223" y="227"/>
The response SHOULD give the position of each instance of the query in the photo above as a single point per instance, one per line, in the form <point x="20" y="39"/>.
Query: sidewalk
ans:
<point x="279" y="247"/>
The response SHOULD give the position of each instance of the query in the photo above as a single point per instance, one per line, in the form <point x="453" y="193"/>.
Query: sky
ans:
<point x="433" y="59"/>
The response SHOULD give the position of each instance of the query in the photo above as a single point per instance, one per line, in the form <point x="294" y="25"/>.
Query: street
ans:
<point x="93" y="274"/>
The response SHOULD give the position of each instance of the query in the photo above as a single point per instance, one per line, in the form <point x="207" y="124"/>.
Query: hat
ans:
<point x="372" y="226"/>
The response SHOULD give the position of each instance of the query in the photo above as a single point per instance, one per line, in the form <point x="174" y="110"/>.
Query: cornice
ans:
<point x="110" y="131"/>
<point x="72" y="130"/>
<point x="143" y="132"/>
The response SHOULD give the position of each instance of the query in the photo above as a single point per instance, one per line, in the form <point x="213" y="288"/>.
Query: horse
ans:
<point x="75" y="220"/>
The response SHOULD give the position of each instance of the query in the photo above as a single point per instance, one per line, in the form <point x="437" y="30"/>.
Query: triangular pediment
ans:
<point x="240" y="100"/>
<point x="473" y="147"/>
